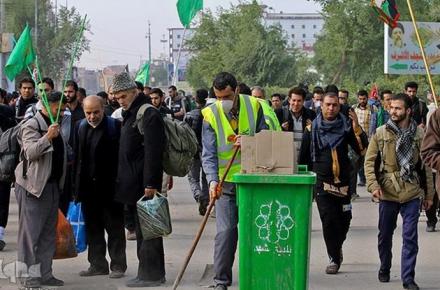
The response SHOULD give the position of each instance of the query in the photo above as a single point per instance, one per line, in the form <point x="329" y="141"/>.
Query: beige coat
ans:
<point x="388" y="172"/>
<point x="37" y="150"/>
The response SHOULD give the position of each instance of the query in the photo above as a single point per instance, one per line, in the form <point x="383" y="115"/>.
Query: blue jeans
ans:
<point x="388" y="212"/>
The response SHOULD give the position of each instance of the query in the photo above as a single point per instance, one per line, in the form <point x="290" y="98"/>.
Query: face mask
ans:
<point x="317" y="104"/>
<point x="227" y="105"/>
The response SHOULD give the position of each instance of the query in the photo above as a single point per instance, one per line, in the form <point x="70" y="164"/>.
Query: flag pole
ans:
<point x="72" y="59"/>
<point x="428" y="72"/>
<point x="176" y="64"/>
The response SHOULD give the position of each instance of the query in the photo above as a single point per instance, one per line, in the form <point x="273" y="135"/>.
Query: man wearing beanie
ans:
<point x="140" y="173"/>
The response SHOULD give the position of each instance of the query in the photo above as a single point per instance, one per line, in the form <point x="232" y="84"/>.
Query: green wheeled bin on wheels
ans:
<point x="274" y="213"/>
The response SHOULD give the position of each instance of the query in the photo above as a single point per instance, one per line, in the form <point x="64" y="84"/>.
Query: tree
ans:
<point x="350" y="49"/>
<point x="56" y="33"/>
<point x="236" y="40"/>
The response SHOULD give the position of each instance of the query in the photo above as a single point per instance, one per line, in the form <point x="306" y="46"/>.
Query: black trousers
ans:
<point x="150" y="254"/>
<point x="5" y="194"/>
<point x="335" y="214"/>
<point x="100" y="217"/>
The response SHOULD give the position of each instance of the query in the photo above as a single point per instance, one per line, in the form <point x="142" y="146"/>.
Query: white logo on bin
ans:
<point x="274" y="224"/>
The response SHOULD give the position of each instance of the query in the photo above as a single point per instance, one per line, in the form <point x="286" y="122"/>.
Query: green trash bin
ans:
<point x="274" y="230"/>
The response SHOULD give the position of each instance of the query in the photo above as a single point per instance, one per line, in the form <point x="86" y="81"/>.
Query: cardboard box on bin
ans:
<point x="271" y="152"/>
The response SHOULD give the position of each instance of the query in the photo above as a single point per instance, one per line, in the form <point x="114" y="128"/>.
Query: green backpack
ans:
<point x="181" y="143"/>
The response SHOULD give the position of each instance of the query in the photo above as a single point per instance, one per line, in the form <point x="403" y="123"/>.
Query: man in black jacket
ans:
<point x="140" y="173"/>
<point x="194" y="118"/>
<point x="96" y="148"/>
<point x="325" y="150"/>
<point x="296" y="117"/>
<point x="419" y="109"/>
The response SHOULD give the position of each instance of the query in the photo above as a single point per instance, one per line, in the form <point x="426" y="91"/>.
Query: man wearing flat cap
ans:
<point x="140" y="173"/>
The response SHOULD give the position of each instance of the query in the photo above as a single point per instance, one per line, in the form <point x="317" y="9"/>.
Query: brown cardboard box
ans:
<point x="268" y="152"/>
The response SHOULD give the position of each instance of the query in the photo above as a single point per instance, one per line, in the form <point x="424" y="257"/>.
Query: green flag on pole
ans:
<point x="21" y="56"/>
<point x="143" y="74"/>
<point x="187" y="9"/>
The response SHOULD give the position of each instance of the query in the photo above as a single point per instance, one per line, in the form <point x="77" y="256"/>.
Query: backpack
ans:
<point x="181" y="143"/>
<point x="10" y="152"/>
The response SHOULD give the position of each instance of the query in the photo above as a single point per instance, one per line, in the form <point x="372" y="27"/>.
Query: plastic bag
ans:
<point x="76" y="219"/>
<point x="154" y="217"/>
<point x="65" y="241"/>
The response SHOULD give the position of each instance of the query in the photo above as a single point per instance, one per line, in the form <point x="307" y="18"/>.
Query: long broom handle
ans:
<point x="204" y="221"/>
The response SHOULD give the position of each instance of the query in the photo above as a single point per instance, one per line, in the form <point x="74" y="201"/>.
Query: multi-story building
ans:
<point x="301" y="29"/>
<point x="175" y="43"/>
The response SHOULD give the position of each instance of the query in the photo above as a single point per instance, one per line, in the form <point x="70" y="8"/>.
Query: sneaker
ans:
<point x="220" y="287"/>
<point x="52" y="282"/>
<point x="31" y="282"/>
<point x="430" y="228"/>
<point x="383" y="276"/>
<point x="361" y="184"/>
<point x="332" y="268"/>
<point x="136" y="283"/>
<point x="2" y="245"/>
<point x="411" y="286"/>
<point x="131" y="236"/>
<point x="92" y="271"/>
<point x="116" y="274"/>
<point x="354" y="196"/>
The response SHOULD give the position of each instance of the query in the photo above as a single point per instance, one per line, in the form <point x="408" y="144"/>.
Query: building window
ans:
<point x="304" y="36"/>
<point x="304" y="27"/>
<point x="293" y="26"/>
<point x="315" y="35"/>
<point x="293" y="35"/>
<point x="314" y="26"/>
<point x="178" y="36"/>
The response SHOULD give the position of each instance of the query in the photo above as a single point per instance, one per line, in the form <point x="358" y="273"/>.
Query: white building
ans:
<point x="175" y="41"/>
<point x="301" y="29"/>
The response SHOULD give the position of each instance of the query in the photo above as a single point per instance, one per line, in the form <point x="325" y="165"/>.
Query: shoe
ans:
<point x="31" y="282"/>
<point x="131" y="236"/>
<point x="52" y="282"/>
<point x="220" y="287"/>
<point x="411" y="286"/>
<point x="136" y="282"/>
<point x="92" y="271"/>
<point x="332" y="268"/>
<point x="361" y="184"/>
<point x="116" y="274"/>
<point x="2" y="245"/>
<point x="203" y="206"/>
<point x="383" y="276"/>
<point x="429" y="229"/>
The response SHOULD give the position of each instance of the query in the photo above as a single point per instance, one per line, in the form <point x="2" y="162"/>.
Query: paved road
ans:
<point x="359" y="270"/>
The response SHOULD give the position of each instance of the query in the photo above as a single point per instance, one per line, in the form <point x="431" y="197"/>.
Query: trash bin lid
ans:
<point x="302" y="178"/>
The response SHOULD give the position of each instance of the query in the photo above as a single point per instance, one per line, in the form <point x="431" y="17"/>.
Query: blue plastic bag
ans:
<point x="76" y="219"/>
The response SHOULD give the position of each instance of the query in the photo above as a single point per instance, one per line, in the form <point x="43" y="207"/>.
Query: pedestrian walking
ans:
<point x="398" y="179"/>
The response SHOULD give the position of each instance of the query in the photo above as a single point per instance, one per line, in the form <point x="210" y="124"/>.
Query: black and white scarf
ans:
<point x="405" y="149"/>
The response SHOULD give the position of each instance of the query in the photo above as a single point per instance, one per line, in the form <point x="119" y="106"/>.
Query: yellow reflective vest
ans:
<point x="269" y="116"/>
<point x="247" y="125"/>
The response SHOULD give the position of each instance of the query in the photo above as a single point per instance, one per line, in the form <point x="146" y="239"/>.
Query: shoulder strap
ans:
<point x="140" y="115"/>
<point x="380" y="136"/>
<point x="285" y="114"/>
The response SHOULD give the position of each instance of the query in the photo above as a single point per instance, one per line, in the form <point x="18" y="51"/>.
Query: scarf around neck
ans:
<point x="404" y="149"/>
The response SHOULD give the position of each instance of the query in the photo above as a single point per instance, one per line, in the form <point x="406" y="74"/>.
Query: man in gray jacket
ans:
<point x="39" y="180"/>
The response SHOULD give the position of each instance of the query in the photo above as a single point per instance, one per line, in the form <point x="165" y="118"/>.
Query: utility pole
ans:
<point x="36" y="24"/>
<point x="149" y="42"/>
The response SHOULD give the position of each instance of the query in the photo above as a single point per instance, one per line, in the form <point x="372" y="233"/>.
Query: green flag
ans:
<point x="21" y="56"/>
<point x="143" y="74"/>
<point x="187" y="9"/>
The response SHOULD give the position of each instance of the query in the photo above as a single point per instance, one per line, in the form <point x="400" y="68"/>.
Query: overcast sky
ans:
<point x="119" y="27"/>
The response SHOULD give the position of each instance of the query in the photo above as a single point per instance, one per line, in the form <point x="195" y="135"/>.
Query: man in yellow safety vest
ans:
<point x="230" y="117"/>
